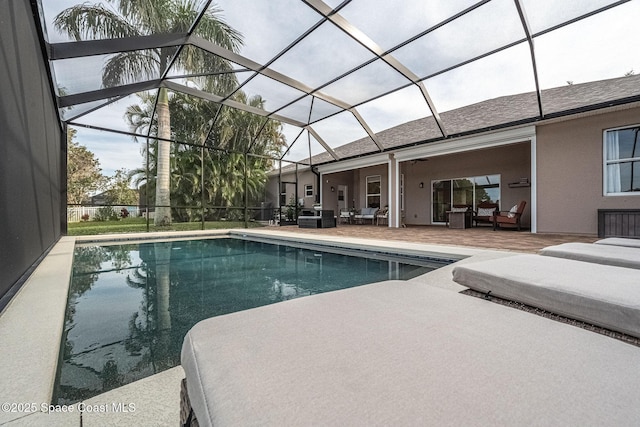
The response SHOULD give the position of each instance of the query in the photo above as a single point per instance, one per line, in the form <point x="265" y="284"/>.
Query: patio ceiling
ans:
<point x="334" y="71"/>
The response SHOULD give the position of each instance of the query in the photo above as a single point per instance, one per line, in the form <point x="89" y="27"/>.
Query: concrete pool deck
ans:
<point x="31" y="329"/>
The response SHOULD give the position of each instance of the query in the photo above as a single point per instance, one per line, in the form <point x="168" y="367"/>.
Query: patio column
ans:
<point x="394" y="191"/>
<point x="534" y="186"/>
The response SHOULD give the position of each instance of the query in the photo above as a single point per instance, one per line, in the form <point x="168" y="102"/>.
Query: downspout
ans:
<point x="314" y="169"/>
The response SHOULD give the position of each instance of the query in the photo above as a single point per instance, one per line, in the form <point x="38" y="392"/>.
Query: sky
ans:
<point x="599" y="47"/>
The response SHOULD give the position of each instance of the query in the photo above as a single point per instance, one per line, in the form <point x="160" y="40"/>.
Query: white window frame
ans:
<point x="605" y="163"/>
<point x="373" y="178"/>
<point x="308" y="188"/>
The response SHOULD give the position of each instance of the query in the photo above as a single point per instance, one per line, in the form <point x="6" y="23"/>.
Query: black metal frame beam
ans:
<point x="357" y="35"/>
<point x="111" y="92"/>
<point x="327" y="14"/>
<point x="534" y="67"/>
<point x="85" y="48"/>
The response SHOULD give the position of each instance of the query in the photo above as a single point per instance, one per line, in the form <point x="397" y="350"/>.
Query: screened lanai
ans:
<point x="302" y="78"/>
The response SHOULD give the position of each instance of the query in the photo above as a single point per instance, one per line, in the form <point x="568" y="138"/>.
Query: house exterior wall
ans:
<point x="304" y="177"/>
<point x="570" y="173"/>
<point x="330" y="198"/>
<point x="512" y="162"/>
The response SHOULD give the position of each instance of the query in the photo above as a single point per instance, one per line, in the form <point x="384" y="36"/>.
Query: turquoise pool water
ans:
<point x="131" y="305"/>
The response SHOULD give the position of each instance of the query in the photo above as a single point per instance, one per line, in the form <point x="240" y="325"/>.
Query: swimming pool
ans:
<point x="130" y="305"/>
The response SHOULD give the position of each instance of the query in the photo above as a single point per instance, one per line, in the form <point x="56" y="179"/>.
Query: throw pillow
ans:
<point x="485" y="211"/>
<point x="512" y="212"/>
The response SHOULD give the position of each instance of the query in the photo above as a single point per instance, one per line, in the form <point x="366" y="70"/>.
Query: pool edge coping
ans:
<point x="31" y="327"/>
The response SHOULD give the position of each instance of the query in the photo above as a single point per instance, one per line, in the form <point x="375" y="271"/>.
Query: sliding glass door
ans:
<point x="462" y="192"/>
<point x="441" y="191"/>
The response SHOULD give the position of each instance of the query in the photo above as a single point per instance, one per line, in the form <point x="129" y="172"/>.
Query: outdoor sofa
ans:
<point x="366" y="214"/>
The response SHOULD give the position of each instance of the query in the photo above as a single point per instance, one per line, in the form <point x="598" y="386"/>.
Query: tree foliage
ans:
<point x="84" y="175"/>
<point x="131" y="18"/>
<point x="119" y="191"/>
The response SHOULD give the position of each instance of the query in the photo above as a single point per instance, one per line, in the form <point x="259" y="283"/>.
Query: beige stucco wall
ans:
<point x="330" y="198"/>
<point x="511" y="162"/>
<point x="305" y="177"/>
<point x="570" y="173"/>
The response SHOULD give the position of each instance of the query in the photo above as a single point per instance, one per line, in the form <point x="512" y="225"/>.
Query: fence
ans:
<point x="75" y="213"/>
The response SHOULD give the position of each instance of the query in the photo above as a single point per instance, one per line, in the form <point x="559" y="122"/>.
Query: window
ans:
<point x="308" y="190"/>
<point x="622" y="161"/>
<point x="373" y="191"/>
<point x="463" y="191"/>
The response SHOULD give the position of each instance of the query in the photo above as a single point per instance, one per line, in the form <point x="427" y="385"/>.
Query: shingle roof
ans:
<point x="498" y="112"/>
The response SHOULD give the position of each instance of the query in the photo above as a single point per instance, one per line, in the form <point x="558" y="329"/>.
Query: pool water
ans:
<point x="131" y="305"/>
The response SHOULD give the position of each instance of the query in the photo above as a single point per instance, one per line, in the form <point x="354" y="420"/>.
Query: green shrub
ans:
<point x="106" y="213"/>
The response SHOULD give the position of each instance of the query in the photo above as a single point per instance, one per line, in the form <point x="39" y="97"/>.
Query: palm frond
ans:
<point x="130" y="67"/>
<point x="87" y="21"/>
<point x="213" y="27"/>
<point x="152" y="15"/>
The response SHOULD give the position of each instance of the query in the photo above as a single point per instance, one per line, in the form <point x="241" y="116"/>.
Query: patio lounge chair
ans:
<point x="619" y="241"/>
<point x="600" y="254"/>
<point x="601" y="295"/>
<point x="366" y="214"/>
<point x="509" y="219"/>
<point x="397" y="353"/>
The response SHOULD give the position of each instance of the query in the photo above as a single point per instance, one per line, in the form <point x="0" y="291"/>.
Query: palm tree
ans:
<point x="142" y="17"/>
<point x="234" y="133"/>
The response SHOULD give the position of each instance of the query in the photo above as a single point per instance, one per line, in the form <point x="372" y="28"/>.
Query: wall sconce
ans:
<point x="333" y="189"/>
<point x="421" y="185"/>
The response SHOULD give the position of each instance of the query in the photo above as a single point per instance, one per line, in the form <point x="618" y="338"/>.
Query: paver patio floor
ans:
<point x="476" y="237"/>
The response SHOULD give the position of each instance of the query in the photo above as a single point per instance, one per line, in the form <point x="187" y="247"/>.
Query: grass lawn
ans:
<point x="139" y="225"/>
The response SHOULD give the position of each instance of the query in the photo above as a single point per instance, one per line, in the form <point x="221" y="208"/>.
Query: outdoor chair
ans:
<point x="345" y="216"/>
<point x="366" y="214"/>
<point x="484" y="212"/>
<point x="382" y="216"/>
<point x="511" y="218"/>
